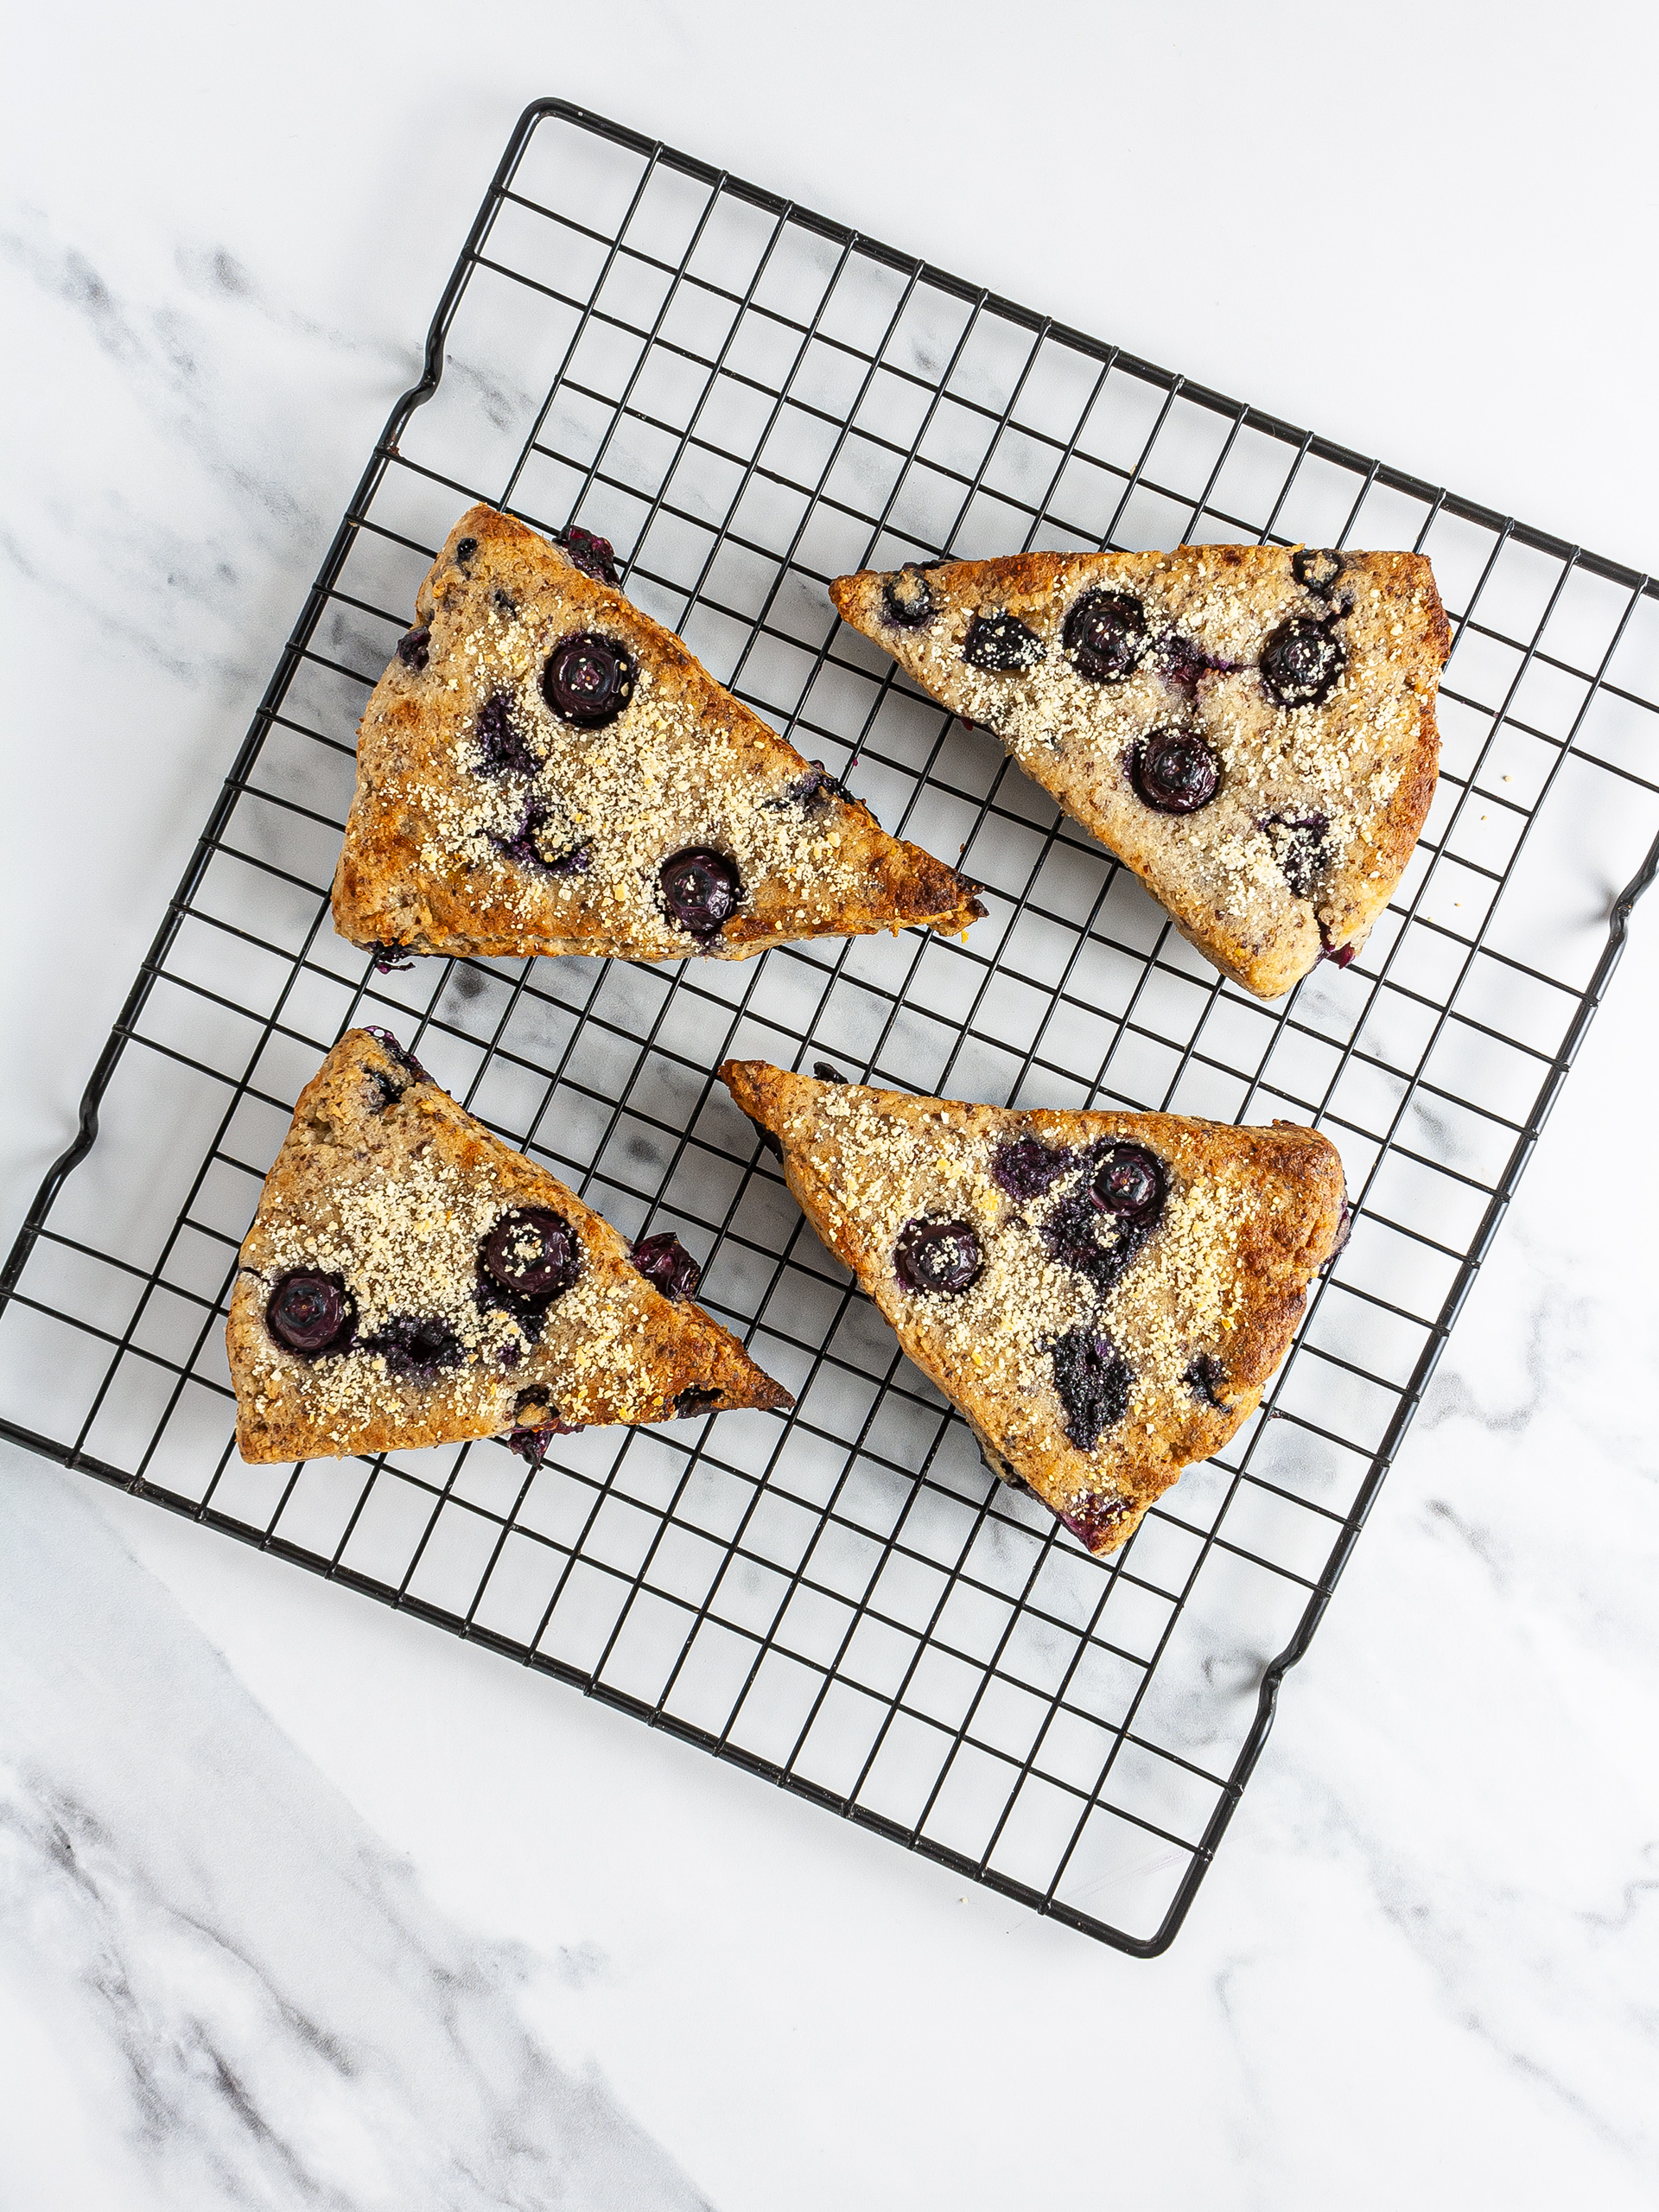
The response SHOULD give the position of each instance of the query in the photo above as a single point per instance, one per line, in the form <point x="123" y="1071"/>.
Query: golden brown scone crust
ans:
<point x="386" y="1180"/>
<point x="419" y="869"/>
<point x="1251" y="1217"/>
<point x="1366" y="759"/>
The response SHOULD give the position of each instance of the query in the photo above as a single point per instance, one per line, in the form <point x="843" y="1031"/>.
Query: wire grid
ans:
<point x="748" y="399"/>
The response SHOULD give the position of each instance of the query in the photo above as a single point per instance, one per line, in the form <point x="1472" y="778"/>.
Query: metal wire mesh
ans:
<point x="748" y="399"/>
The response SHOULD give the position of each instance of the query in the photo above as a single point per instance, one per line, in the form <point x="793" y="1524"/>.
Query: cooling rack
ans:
<point x="747" y="399"/>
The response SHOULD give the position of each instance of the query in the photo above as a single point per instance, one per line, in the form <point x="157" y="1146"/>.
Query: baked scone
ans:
<point x="408" y="1278"/>
<point x="1251" y="730"/>
<point x="543" y="768"/>
<point x="1103" y="1295"/>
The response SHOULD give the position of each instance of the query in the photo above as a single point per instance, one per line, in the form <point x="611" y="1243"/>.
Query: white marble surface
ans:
<point x="305" y="1905"/>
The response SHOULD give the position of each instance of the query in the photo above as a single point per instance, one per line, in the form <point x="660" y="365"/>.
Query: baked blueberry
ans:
<point x="413" y="646"/>
<point x="933" y="1254"/>
<point x="663" y="1260"/>
<point x="1174" y="771"/>
<point x="465" y="550"/>
<point x="501" y="746"/>
<point x="907" y="597"/>
<point x="531" y="1254"/>
<point x="417" y="1347"/>
<point x="1093" y="1382"/>
<point x="1129" y="1182"/>
<point x="385" y="956"/>
<point x="1300" y="847"/>
<point x="1301" y="662"/>
<point x="825" y="1073"/>
<point x="1025" y="1166"/>
<point x="1002" y="644"/>
<point x="1092" y="1518"/>
<point x="813" y="791"/>
<point x="1206" y="1378"/>
<point x="595" y="556"/>
<point x="1105" y="636"/>
<point x="311" y="1314"/>
<point x="701" y="890"/>
<point x="1071" y="1231"/>
<point x="588" y="680"/>
<point x="1315" y="570"/>
<point x="405" y="1059"/>
<point x="694" y="1401"/>
<point x="538" y="843"/>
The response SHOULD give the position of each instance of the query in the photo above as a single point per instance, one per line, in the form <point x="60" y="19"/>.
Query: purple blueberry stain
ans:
<point x="1344" y="1230"/>
<point x="1174" y="771"/>
<point x="1302" y="661"/>
<point x="588" y="680"/>
<point x="416" y="1347"/>
<point x="689" y="1404"/>
<point x="1316" y="569"/>
<point x="310" y="1313"/>
<point x="938" y="1257"/>
<point x="1092" y="1518"/>
<point x="1206" y="1378"/>
<point x="1105" y="636"/>
<point x="412" y="647"/>
<point x="404" y="1059"/>
<point x="1002" y="645"/>
<point x="666" y="1263"/>
<point x="1301" y="847"/>
<point x="1093" y="1381"/>
<point x="1185" y="665"/>
<point x="532" y="845"/>
<point x="814" y="791"/>
<point x="585" y="550"/>
<point x="700" y="891"/>
<point x="1025" y="1166"/>
<point x="501" y="747"/>
<point x="386" y="958"/>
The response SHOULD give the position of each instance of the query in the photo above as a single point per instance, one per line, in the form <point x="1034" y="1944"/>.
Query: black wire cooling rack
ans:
<point x="748" y="399"/>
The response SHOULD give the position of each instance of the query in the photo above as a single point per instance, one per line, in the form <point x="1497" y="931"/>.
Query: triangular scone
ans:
<point x="543" y="768"/>
<point x="1103" y="1295"/>
<point x="1251" y="730"/>
<point x="408" y="1278"/>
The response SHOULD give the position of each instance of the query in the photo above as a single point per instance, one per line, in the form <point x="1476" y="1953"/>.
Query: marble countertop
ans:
<point x="301" y="1903"/>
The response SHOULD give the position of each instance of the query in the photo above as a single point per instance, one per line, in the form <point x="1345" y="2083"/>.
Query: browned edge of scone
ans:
<point x="1280" y="1274"/>
<point x="681" y="1348"/>
<point x="1271" y="970"/>
<point x="377" y="907"/>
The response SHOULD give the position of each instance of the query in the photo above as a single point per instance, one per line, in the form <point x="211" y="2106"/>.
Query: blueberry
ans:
<point x="1301" y="663"/>
<point x="907" y="597"/>
<point x="595" y="556"/>
<point x="411" y="647"/>
<point x="502" y="749"/>
<point x="937" y="1255"/>
<point x="1093" y="1518"/>
<point x="1093" y="1382"/>
<point x="416" y="1347"/>
<point x="693" y="1401"/>
<point x="1344" y="1230"/>
<point x="701" y="890"/>
<point x="1299" y="846"/>
<point x="1316" y="571"/>
<point x="1206" y="1378"/>
<point x="1105" y="636"/>
<point x="311" y="1314"/>
<point x="531" y="1252"/>
<point x="588" y="680"/>
<point x="385" y="956"/>
<point x="1001" y="643"/>
<point x="1129" y="1182"/>
<point x="532" y="846"/>
<point x="663" y="1260"/>
<point x="465" y="550"/>
<point x="825" y="1073"/>
<point x="1174" y="771"/>
<point x="1025" y="1166"/>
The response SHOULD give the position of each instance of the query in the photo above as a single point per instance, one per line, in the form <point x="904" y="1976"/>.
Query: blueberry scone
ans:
<point x="410" y="1280"/>
<point x="544" y="769"/>
<point x="1104" y="1296"/>
<point x="1251" y="730"/>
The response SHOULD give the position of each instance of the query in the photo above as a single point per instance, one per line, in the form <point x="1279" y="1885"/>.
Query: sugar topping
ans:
<point x="608" y="804"/>
<point x="1178" y="1298"/>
